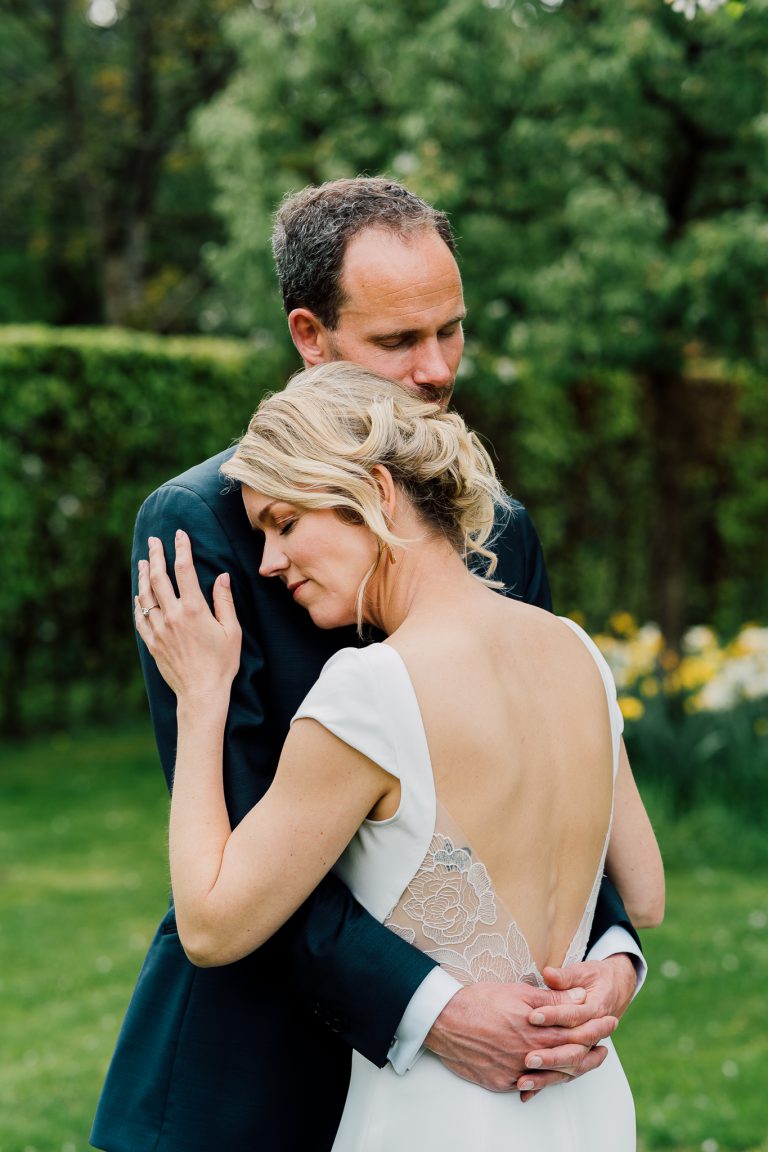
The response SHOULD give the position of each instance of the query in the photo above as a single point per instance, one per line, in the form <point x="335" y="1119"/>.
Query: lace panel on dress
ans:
<point x="450" y="911"/>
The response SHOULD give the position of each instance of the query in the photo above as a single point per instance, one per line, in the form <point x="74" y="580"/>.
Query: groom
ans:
<point x="256" y="1055"/>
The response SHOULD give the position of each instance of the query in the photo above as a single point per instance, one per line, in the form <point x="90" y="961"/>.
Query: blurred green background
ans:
<point x="605" y="167"/>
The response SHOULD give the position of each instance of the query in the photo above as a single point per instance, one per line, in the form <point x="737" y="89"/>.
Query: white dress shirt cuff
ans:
<point x="425" y="1006"/>
<point x="617" y="940"/>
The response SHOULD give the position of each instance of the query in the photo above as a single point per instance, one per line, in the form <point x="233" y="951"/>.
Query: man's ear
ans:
<point x="310" y="336"/>
<point x="387" y="489"/>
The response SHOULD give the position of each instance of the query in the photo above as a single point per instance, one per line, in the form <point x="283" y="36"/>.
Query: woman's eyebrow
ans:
<point x="258" y="521"/>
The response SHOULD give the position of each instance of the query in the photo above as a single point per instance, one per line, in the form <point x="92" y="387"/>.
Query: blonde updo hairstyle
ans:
<point x="316" y="443"/>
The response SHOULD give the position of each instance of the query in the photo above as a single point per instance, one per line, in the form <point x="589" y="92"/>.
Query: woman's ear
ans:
<point x="387" y="490"/>
<point x="310" y="336"/>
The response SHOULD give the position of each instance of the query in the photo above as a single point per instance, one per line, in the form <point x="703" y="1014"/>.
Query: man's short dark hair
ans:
<point x="313" y="227"/>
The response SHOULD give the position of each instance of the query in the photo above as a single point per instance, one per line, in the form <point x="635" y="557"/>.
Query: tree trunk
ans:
<point x="670" y="434"/>
<point x="124" y="278"/>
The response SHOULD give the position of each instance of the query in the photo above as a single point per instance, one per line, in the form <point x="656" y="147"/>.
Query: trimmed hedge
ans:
<point x="93" y="420"/>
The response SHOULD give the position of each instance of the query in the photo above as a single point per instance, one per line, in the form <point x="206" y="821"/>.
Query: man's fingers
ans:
<point x="560" y="978"/>
<point x="535" y="1080"/>
<point x="563" y="1059"/>
<point x="593" y="1032"/>
<point x="610" y="983"/>
<point x="586" y="1035"/>
<point x="532" y="1082"/>
<point x="526" y="1096"/>
<point x="552" y="997"/>
<point x="485" y="1030"/>
<point x="492" y="1079"/>
<point x="562" y="1015"/>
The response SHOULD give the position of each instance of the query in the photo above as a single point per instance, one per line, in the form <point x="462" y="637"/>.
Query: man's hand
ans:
<point x="610" y="985"/>
<point x="485" y="1033"/>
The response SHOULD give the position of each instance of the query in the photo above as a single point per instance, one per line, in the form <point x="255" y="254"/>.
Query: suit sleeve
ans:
<point x="521" y="558"/>
<point x="352" y="973"/>
<point x="610" y="913"/>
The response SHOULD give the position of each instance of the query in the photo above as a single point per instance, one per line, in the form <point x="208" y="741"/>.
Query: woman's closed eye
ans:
<point x="285" y="526"/>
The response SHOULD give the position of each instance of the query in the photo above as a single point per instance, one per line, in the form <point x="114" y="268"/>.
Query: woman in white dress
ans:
<point x="464" y="777"/>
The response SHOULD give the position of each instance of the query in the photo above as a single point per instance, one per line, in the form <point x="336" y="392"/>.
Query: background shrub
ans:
<point x="92" y="422"/>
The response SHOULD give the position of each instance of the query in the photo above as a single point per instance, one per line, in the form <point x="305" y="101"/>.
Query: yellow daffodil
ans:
<point x="631" y="707"/>
<point x="623" y="623"/>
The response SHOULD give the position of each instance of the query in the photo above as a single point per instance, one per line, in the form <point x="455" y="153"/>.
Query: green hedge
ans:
<point x="92" y="422"/>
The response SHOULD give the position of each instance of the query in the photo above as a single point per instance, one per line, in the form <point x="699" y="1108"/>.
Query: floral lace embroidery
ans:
<point x="450" y="894"/>
<point x="450" y="899"/>
<point x="491" y="958"/>
<point x="449" y="903"/>
<point x="406" y="934"/>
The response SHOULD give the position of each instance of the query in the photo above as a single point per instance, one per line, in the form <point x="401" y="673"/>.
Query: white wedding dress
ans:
<point x="417" y="873"/>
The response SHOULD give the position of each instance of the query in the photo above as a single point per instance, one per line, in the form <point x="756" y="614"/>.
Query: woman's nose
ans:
<point x="273" y="560"/>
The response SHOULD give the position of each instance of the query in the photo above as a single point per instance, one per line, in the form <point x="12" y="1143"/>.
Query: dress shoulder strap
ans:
<point x="349" y="699"/>
<point x="616" y="718"/>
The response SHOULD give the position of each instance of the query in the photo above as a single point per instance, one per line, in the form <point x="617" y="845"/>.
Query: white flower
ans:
<point x="690" y="7"/>
<point x="699" y="639"/>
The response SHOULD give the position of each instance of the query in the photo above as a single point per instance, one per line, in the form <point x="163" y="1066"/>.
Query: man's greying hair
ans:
<point x="313" y="227"/>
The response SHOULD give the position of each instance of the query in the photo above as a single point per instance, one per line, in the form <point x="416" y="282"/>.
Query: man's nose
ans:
<point x="431" y="367"/>
<point x="273" y="560"/>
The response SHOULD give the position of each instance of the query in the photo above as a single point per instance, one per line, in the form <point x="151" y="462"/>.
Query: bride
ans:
<point x="464" y="776"/>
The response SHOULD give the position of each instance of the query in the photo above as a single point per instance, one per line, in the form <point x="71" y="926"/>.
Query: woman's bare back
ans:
<point x="520" y="741"/>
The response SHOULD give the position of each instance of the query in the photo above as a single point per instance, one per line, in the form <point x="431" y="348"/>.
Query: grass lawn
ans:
<point x="84" y="881"/>
<point x="83" y="859"/>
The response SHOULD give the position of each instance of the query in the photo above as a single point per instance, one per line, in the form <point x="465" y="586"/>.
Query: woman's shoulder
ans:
<point x="360" y="696"/>
<point x="354" y="660"/>
<point x="353" y="677"/>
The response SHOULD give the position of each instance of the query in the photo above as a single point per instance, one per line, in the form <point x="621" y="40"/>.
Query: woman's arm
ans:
<point x="232" y="890"/>
<point x="634" y="861"/>
<point x="350" y="972"/>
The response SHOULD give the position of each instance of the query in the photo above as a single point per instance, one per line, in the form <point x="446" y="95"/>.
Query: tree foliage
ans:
<point x="106" y="199"/>
<point x="606" y="169"/>
<point x="92" y="422"/>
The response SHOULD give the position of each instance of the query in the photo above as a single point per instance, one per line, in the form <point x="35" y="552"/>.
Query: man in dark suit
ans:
<point x="256" y="1055"/>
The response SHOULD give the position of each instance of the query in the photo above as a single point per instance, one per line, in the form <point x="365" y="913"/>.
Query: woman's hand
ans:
<point x="197" y="652"/>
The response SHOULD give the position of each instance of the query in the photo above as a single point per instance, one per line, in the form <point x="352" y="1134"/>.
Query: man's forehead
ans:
<point x="382" y="248"/>
<point x="402" y="279"/>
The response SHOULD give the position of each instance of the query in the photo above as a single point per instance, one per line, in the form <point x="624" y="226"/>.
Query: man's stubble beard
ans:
<point x="429" y="393"/>
<point x="434" y="395"/>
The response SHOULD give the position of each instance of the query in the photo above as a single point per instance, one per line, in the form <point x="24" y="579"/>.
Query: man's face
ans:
<point x="403" y="312"/>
